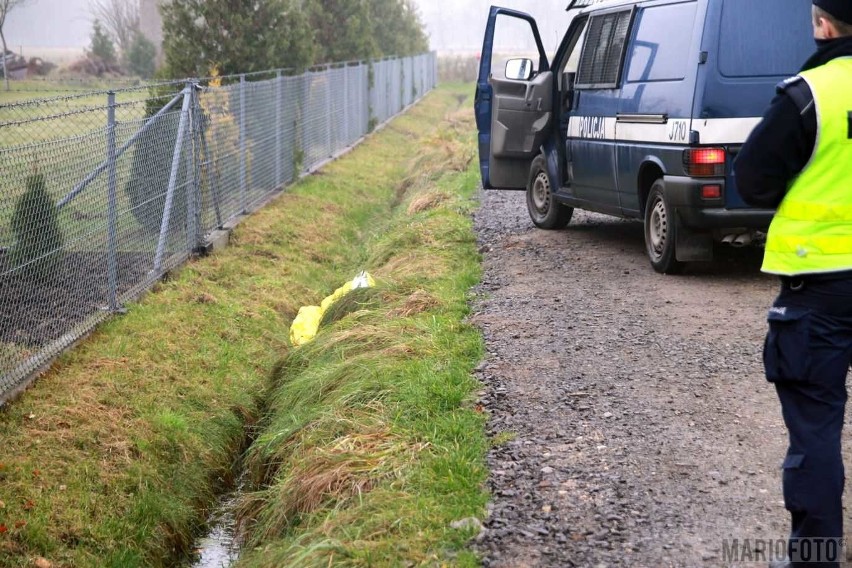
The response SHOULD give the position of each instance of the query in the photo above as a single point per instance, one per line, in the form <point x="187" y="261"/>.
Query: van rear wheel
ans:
<point x="545" y="211"/>
<point x="661" y="231"/>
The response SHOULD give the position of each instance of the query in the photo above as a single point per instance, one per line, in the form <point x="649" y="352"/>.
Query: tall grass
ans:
<point x="114" y="457"/>
<point x="371" y="447"/>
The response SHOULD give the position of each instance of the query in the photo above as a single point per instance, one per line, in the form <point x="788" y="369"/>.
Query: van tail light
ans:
<point x="711" y="191"/>
<point x="704" y="162"/>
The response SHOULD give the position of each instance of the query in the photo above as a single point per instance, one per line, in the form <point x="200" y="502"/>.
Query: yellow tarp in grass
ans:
<point x="307" y="321"/>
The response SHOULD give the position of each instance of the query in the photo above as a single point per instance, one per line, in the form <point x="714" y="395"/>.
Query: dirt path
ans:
<point x="644" y="432"/>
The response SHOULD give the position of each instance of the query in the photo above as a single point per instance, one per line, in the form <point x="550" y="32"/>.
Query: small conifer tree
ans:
<point x="141" y="57"/>
<point x="102" y="45"/>
<point x="38" y="238"/>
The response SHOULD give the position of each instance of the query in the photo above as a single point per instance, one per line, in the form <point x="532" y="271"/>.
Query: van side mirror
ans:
<point x="519" y="69"/>
<point x="568" y="91"/>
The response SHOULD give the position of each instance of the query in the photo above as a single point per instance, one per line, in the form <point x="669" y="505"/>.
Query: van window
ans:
<point x="574" y="60"/>
<point x="663" y="38"/>
<point x="513" y="38"/>
<point x="764" y="38"/>
<point x="603" y="50"/>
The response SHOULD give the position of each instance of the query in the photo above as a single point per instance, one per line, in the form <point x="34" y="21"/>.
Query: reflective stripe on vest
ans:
<point x="812" y="229"/>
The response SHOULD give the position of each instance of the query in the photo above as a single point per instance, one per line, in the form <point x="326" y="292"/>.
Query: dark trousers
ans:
<point x="807" y="354"/>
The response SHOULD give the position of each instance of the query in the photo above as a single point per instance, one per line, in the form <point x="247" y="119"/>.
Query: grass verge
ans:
<point x="371" y="449"/>
<point x="367" y="445"/>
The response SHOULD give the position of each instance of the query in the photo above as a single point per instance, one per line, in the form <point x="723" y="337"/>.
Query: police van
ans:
<point x="640" y="114"/>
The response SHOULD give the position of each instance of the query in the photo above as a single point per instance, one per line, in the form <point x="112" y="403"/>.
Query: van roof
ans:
<point x="590" y="5"/>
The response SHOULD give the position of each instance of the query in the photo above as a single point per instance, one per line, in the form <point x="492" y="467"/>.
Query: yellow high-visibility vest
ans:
<point x="811" y="232"/>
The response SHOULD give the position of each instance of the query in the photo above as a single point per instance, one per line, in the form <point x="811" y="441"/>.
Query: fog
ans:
<point x="459" y="26"/>
<point x="452" y="25"/>
<point x="48" y="23"/>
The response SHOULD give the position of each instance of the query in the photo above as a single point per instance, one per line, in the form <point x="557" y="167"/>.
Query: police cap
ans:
<point x="840" y="9"/>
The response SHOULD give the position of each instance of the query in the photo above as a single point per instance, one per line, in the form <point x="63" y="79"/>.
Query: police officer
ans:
<point x="799" y="159"/>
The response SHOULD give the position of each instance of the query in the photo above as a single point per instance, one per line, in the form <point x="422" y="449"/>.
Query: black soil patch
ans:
<point x="35" y="312"/>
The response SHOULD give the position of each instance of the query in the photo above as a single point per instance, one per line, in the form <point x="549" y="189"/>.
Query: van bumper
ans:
<point x="684" y="195"/>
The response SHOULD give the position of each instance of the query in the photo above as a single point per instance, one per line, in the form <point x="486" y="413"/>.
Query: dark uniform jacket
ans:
<point x="780" y="147"/>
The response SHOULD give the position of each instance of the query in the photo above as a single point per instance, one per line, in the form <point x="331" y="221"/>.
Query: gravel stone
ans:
<point x="465" y="524"/>
<point x="640" y="413"/>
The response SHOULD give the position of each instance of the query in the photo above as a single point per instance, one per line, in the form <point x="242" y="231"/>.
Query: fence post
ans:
<point x="406" y="81"/>
<point x="193" y="185"/>
<point x="243" y="187"/>
<point x="393" y="81"/>
<point x="112" y="246"/>
<point x="363" y="86"/>
<point x="279" y="91"/>
<point x="307" y="84"/>
<point x="346" y="104"/>
<point x="329" y="108"/>
<point x="372" y="92"/>
<point x="170" y="193"/>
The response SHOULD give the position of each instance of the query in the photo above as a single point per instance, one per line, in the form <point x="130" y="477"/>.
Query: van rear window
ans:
<point x="764" y="38"/>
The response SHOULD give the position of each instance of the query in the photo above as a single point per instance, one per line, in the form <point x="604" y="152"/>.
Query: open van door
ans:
<point x="514" y="109"/>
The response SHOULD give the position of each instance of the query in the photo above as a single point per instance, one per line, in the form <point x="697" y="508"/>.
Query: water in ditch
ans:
<point x="220" y="547"/>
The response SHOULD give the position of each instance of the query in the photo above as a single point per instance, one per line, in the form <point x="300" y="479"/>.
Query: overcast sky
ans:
<point x="453" y="25"/>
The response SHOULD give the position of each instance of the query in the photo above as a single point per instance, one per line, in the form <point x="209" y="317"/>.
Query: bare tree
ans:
<point x="120" y="18"/>
<point x="6" y="6"/>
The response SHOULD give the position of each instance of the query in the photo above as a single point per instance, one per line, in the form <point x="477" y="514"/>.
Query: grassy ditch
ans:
<point x="367" y="446"/>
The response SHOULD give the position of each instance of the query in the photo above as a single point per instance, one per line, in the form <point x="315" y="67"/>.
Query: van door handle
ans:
<point x="528" y="99"/>
<point x="537" y="104"/>
<point x="528" y="96"/>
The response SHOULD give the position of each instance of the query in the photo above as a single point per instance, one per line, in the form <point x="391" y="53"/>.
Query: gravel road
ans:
<point x="640" y="429"/>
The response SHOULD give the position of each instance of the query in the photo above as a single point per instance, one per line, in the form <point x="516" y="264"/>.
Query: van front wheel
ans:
<point x="661" y="231"/>
<point x="545" y="211"/>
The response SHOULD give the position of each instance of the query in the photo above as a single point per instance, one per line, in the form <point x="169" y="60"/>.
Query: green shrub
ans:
<point x="101" y="44"/>
<point x="38" y="239"/>
<point x="141" y="57"/>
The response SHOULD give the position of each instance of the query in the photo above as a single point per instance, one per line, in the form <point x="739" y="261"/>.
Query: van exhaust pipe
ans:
<point x="738" y="240"/>
<point x="742" y="240"/>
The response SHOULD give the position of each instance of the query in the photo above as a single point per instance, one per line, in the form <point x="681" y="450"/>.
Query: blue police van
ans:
<point x="640" y="114"/>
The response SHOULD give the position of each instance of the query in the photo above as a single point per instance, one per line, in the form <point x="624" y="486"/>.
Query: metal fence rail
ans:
<point x="102" y="193"/>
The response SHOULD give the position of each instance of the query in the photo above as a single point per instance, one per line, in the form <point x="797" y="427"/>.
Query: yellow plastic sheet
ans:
<point x="306" y="324"/>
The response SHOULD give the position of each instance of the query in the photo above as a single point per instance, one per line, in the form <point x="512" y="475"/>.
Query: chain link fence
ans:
<point x="102" y="193"/>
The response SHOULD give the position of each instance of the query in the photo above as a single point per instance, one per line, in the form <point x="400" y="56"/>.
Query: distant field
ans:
<point x="59" y="81"/>
<point x="48" y="87"/>
<point x="61" y="56"/>
<point x="38" y="89"/>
